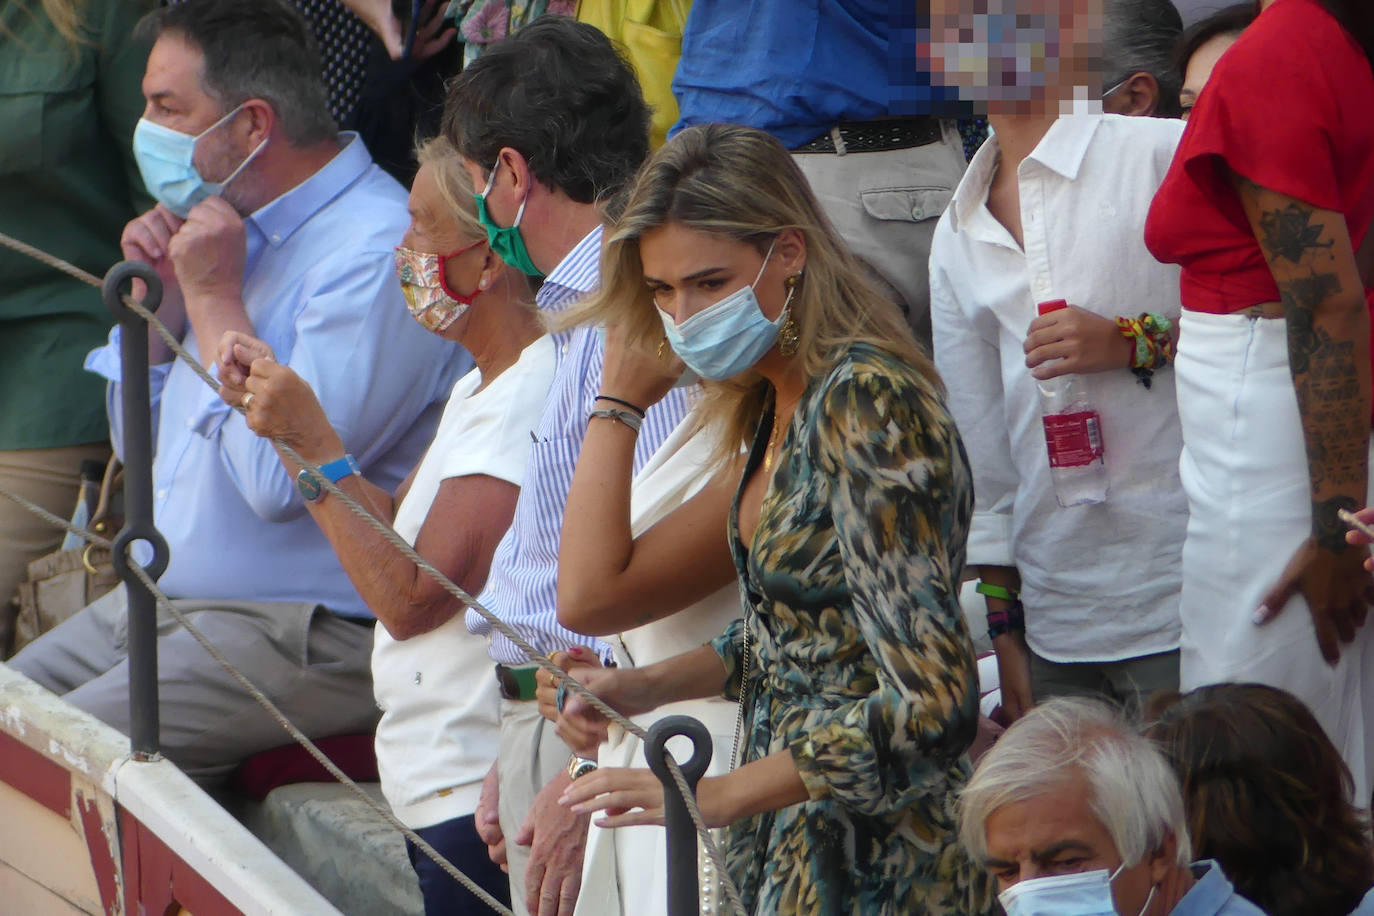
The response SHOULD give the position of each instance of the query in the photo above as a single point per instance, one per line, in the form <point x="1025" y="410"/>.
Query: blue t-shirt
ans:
<point x="795" y="68"/>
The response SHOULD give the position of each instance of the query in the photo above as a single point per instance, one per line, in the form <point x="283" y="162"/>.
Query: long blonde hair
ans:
<point x="740" y="183"/>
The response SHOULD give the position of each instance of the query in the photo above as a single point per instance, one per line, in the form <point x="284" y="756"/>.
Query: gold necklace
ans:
<point x="772" y="441"/>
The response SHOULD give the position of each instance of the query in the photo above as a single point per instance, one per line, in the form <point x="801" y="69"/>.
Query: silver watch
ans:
<point x="580" y="766"/>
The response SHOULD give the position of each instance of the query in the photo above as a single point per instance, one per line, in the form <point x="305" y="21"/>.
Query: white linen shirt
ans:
<point x="1099" y="583"/>
<point x="440" y="724"/>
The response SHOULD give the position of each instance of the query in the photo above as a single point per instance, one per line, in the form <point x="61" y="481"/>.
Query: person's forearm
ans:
<point x="171" y="312"/>
<point x="1008" y="577"/>
<point x="692" y="675"/>
<point x="211" y="317"/>
<point x="1328" y="347"/>
<point x="597" y="542"/>
<point x="406" y="600"/>
<point x="1313" y="263"/>
<point x="768" y="784"/>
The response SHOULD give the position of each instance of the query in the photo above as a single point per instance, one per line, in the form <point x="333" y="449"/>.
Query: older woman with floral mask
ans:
<point x="844" y="525"/>
<point x="438" y="732"/>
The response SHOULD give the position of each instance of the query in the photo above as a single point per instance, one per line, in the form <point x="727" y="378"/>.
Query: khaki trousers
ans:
<point x="885" y="205"/>
<point x="314" y="665"/>
<point x="531" y="755"/>
<point x="50" y="477"/>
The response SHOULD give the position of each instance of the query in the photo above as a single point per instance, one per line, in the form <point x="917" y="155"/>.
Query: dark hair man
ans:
<point x="269" y="222"/>
<point x="552" y="125"/>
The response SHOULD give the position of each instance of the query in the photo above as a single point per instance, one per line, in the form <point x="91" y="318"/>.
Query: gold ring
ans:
<point x="247" y="399"/>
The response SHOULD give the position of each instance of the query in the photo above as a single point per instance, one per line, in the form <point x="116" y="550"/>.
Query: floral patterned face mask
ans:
<point x="428" y="297"/>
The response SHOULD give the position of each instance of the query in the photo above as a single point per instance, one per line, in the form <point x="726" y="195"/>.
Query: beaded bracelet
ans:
<point x="1008" y="620"/>
<point x="1152" y="337"/>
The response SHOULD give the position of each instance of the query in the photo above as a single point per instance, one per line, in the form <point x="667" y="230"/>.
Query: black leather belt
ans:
<point x="876" y="136"/>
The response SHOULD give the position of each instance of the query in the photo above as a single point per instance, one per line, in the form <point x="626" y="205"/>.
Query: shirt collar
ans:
<point x="579" y="272"/>
<point x="973" y="187"/>
<point x="279" y="218"/>
<point x="1065" y="144"/>
<point x="1211" y="892"/>
<point x="1061" y="150"/>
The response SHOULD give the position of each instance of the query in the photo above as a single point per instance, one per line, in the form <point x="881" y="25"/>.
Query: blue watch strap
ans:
<point x="340" y="468"/>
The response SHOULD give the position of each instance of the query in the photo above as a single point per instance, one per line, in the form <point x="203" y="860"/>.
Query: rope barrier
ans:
<point x="396" y="541"/>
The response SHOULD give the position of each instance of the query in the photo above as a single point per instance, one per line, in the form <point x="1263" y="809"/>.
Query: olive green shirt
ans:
<point x="68" y="185"/>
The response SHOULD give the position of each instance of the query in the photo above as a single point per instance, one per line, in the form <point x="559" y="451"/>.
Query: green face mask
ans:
<point x="506" y="241"/>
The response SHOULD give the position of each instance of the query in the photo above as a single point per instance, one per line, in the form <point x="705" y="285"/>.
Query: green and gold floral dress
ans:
<point x="860" y="664"/>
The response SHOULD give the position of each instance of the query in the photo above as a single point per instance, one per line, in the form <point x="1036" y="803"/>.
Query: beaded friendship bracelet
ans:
<point x="1153" y="339"/>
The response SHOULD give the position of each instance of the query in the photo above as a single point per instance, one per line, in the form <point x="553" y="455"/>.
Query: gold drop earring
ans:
<point x="788" y="338"/>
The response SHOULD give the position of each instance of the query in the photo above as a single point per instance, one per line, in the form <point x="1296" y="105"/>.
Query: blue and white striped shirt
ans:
<point x="522" y="586"/>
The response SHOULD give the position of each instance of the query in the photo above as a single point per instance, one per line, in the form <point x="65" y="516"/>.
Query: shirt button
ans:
<point x="564" y="349"/>
<point x="190" y="423"/>
<point x="162" y="494"/>
<point x="276" y="239"/>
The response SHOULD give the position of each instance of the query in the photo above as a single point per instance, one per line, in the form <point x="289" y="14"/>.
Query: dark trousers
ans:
<point x="457" y="841"/>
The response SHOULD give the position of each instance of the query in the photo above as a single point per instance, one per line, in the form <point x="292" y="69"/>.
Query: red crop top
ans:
<point x="1290" y="106"/>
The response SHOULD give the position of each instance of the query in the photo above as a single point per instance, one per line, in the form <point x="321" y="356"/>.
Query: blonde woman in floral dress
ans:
<point x="844" y="526"/>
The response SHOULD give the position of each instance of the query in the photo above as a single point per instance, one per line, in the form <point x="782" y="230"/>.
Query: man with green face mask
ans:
<point x="550" y="123"/>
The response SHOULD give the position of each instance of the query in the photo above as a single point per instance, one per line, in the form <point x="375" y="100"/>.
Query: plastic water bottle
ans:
<point x="1073" y="436"/>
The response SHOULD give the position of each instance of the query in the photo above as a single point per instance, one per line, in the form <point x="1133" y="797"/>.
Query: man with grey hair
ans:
<point x="271" y="223"/>
<point x="1073" y="811"/>
<point x="1138" y="40"/>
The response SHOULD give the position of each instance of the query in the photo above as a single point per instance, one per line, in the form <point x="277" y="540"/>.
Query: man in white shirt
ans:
<point x="1053" y="207"/>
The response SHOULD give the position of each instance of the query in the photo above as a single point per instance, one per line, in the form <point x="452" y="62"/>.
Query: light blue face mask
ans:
<point x="165" y="159"/>
<point x="1087" y="893"/>
<point x="727" y="337"/>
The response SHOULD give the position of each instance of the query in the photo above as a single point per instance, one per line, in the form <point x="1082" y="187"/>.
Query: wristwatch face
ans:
<point x="310" y="487"/>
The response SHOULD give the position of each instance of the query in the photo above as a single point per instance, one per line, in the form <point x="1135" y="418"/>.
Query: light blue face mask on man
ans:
<point x="165" y="160"/>
<point x="727" y="337"/>
<point x="1087" y="893"/>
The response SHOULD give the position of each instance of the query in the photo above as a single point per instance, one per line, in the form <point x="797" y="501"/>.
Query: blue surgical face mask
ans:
<point x="727" y="337"/>
<point x="1087" y="893"/>
<point x="165" y="159"/>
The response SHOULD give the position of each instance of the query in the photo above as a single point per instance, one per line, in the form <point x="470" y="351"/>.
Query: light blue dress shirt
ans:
<point x="1213" y="895"/>
<point x="523" y="584"/>
<point x="320" y="288"/>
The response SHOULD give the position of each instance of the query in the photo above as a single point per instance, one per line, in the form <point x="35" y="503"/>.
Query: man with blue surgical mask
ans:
<point x="1076" y="814"/>
<point x="272" y="223"/>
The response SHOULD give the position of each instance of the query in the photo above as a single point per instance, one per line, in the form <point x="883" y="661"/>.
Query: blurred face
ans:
<point x="1017" y="56"/>
<point x="175" y="98"/>
<point x="1057" y="833"/>
<point x="687" y="270"/>
<point x="1200" y="67"/>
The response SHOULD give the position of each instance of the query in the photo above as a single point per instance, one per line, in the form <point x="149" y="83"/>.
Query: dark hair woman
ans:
<point x="1267" y="206"/>
<point x="1202" y="45"/>
<point x="1267" y="795"/>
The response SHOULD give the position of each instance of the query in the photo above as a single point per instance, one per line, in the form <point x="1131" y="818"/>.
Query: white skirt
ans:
<point x="1244" y="470"/>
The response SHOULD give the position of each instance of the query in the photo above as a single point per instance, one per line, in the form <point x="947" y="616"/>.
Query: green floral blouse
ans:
<point x="860" y="663"/>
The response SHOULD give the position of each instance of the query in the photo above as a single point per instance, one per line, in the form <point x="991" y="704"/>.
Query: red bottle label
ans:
<point x="1074" y="439"/>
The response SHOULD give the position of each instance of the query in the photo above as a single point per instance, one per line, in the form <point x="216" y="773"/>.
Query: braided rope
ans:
<point x="391" y="537"/>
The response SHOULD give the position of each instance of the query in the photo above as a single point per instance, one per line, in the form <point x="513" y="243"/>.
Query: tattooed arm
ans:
<point x="1313" y="261"/>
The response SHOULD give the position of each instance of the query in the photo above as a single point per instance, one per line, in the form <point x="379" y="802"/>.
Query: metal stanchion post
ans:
<point x="138" y="502"/>
<point x="682" y="833"/>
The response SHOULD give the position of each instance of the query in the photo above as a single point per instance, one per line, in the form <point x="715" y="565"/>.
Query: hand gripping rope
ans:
<point x="660" y="760"/>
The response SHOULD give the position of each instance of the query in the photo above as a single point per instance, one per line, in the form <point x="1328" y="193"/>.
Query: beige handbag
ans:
<point x="62" y="583"/>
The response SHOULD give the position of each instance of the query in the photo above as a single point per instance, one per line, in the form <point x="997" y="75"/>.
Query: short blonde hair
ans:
<point x="742" y="184"/>
<point x="455" y="185"/>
